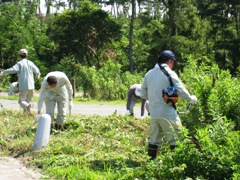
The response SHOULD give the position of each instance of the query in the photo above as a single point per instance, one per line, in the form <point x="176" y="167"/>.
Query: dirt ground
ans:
<point x="12" y="169"/>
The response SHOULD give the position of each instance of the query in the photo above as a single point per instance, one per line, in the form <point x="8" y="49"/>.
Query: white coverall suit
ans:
<point x="162" y="113"/>
<point x="25" y="70"/>
<point x="59" y="95"/>
<point x="13" y="89"/>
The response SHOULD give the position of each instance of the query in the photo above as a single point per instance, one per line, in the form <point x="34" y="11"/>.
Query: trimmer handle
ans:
<point x="189" y="107"/>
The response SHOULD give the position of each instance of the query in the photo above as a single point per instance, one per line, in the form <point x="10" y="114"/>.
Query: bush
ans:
<point x="218" y="158"/>
<point x="217" y="92"/>
<point x="107" y="83"/>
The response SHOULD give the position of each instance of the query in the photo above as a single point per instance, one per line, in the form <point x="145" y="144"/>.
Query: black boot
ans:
<point x="152" y="151"/>
<point x="59" y="127"/>
<point x="51" y="129"/>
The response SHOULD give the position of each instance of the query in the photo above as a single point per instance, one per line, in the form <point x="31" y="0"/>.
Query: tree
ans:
<point x="131" y="36"/>
<point x="15" y="30"/>
<point x="180" y="30"/>
<point x="224" y="32"/>
<point x="86" y="34"/>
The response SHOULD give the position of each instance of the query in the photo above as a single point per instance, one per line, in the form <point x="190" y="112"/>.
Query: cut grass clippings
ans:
<point x="91" y="147"/>
<point x="115" y="147"/>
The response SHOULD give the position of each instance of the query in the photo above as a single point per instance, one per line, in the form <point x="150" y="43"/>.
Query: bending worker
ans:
<point x="13" y="89"/>
<point x="133" y="98"/>
<point x="164" y="119"/>
<point x="56" y="89"/>
<point x="25" y="70"/>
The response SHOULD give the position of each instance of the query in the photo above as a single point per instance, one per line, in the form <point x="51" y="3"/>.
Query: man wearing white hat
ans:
<point x="133" y="98"/>
<point x="25" y="70"/>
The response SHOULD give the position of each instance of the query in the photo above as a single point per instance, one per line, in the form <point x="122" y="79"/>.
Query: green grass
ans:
<point x="92" y="147"/>
<point x="115" y="147"/>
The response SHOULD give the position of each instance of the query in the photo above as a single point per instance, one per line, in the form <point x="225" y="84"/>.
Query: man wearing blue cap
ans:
<point x="164" y="117"/>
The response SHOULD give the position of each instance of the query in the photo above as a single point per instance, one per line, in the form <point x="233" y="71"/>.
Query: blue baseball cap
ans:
<point x="168" y="54"/>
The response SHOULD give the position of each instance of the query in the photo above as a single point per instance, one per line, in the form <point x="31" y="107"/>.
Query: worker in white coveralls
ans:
<point x="56" y="89"/>
<point x="25" y="70"/>
<point x="134" y="97"/>
<point x="164" y="119"/>
<point x="13" y="89"/>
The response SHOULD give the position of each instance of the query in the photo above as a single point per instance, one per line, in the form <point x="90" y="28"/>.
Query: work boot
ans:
<point x="152" y="151"/>
<point x="51" y="129"/>
<point x="59" y="127"/>
<point x="27" y="109"/>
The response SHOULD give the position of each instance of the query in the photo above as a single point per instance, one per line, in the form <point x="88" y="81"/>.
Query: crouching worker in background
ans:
<point x="56" y="89"/>
<point x="13" y="89"/>
<point x="133" y="98"/>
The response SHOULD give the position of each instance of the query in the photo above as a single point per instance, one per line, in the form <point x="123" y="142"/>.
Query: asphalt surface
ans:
<point x="80" y="108"/>
<point x="12" y="169"/>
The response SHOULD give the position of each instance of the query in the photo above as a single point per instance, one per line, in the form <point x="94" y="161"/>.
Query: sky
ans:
<point x="53" y="10"/>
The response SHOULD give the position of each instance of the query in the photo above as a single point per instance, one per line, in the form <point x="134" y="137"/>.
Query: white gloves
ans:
<point x="127" y="113"/>
<point x="37" y="117"/>
<point x="193" y="99"/>
<point x="1" y="74"/>
<point x="37" y="76"/>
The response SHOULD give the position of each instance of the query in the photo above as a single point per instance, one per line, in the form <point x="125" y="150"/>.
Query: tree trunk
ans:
<point x="131" y="36"/>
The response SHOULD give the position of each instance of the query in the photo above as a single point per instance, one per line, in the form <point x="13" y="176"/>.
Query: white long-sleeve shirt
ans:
<point x="25" y="70"/>
<point x="63" y="88"/>
<point x="153" y="84"/>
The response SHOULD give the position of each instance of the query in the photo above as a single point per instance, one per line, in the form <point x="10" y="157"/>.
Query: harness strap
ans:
<point x="170" y="81"/>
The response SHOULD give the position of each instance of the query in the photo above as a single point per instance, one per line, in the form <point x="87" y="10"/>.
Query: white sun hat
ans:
<point x="23" y="51"/>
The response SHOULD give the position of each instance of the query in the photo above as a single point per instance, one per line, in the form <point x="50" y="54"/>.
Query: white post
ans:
<point x="43" y="132"/>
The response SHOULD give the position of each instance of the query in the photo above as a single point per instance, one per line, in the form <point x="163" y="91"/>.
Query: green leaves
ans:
<point x="108" y="83"/>
<point x="216" y="91"/>
<point x="84" y="33"/>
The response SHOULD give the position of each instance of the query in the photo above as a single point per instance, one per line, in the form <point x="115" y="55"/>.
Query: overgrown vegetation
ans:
<point x="115" y="147"/>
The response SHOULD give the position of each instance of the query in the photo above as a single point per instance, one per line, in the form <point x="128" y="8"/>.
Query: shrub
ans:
<point x="216" y="90"/>
<point x="107" y="83"/>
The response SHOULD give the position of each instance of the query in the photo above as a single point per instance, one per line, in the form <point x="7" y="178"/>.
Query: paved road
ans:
<point x="84" y="109"/>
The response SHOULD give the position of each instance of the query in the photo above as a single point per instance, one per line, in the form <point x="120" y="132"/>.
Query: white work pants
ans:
<point x="61" y="108"/>
<point x="25" y="98"/>
<point x="163" y="128"/>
